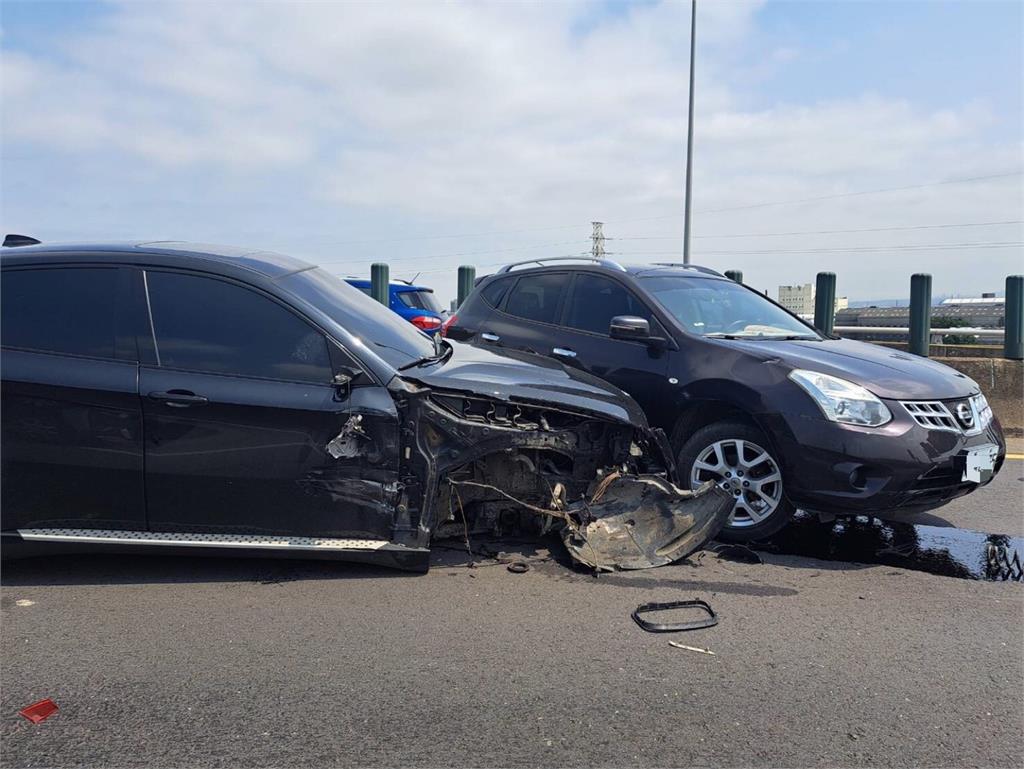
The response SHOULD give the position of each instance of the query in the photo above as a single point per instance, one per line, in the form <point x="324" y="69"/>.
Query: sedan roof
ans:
<point x="267" y="263"/>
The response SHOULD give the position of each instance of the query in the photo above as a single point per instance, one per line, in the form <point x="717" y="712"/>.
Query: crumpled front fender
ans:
<point x="642" y="521"/>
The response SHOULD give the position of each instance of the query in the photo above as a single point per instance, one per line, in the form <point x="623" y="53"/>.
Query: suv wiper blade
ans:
<point x="762" y="338"/>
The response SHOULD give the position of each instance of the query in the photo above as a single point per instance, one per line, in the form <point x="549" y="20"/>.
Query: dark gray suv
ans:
<point x="780" y="415"/>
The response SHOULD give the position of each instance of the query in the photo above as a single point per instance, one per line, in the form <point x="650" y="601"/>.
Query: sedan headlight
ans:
<point x="842" y="401"/>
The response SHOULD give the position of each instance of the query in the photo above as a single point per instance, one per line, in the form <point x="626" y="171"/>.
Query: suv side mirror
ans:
<point x="630" y="328"/>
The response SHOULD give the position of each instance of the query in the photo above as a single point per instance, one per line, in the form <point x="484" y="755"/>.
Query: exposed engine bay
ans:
<point x="475" y="465"/>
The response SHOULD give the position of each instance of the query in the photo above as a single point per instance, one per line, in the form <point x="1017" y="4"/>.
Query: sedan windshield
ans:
<point x="722" y="308"/>
<point x="392" y="337"/>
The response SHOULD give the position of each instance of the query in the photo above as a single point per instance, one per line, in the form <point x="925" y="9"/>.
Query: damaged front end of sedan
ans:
<point x="499" y="465"/>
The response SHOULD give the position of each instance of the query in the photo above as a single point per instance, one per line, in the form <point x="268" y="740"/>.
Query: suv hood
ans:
<point x="886" y="372"/>
<point x="528" y="378"/>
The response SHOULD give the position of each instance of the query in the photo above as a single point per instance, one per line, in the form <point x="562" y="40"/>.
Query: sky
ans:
<point x="874" y="140"/>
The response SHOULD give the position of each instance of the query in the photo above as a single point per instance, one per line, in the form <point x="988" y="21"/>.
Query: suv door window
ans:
<point x="596" y="300"/>
<point x="495" y="292"/>
<point x="68" y="310"/>
<point x="209" y="325"/>
<point x="537" y="297"/>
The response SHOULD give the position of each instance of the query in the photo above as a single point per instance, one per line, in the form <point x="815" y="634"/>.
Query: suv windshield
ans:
<point x="722" y="308"/>
<point x="391" y="336"/>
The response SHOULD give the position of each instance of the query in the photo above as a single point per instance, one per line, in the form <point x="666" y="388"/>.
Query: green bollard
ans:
<point x="825" y="302"/>
<point x="1013" y="342"/>
<point x="379" y="280"/>
<point x="920" y="313"/>
<point x="736" y="275"/>
<point x="467" y="277"/>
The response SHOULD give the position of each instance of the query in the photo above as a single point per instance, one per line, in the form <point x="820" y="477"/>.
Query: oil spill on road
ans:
<point x="946" y="551"/>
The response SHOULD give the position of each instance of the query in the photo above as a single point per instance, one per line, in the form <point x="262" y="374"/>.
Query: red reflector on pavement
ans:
<point x="40" y="711"/>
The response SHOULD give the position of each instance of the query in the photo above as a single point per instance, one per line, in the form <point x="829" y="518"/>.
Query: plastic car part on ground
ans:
<point x="633" y="521"/>
<point x="674" y="627"/>
<point x="39" y="711"/>
<point x="642" y="521"/>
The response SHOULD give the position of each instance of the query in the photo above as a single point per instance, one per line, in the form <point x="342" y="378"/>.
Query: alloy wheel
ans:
<point x="746" y="471"/>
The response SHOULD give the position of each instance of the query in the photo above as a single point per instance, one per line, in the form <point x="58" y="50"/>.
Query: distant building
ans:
<point x="800" y="299"/>
<point x="977" y="312"/>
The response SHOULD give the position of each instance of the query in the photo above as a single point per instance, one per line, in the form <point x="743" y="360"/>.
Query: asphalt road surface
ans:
<point x="169" y="661"/>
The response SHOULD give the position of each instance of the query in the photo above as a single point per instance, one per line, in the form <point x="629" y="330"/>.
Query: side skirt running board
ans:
<point x="371" y="550"/>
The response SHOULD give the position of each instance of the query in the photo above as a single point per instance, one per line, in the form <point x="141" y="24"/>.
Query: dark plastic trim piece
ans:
<point x="656" y="627"/>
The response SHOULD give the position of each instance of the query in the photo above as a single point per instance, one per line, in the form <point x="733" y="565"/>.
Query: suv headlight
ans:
<point x="983" y="410"/>
<point x="842" y="401"/>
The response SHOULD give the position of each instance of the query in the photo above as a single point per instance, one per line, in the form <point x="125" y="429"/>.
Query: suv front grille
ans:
<point x="932" y="415"/>
<point x="966" y="415"/>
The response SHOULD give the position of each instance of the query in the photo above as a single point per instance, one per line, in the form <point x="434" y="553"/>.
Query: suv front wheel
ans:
<point x="736" y="456"/>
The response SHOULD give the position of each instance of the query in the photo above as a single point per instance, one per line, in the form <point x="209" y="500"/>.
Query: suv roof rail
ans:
<point x="12" y="241"/>
<point x="696" y="267"/>
<point x="603" y="262"/>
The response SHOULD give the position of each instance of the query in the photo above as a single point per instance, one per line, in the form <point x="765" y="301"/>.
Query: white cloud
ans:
<point x="472" y="115"/>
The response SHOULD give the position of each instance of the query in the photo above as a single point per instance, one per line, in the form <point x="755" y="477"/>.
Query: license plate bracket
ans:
<point x="980" y="463"/>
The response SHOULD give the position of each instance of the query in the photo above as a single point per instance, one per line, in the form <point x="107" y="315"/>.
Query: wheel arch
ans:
<point x="697" y="410"/>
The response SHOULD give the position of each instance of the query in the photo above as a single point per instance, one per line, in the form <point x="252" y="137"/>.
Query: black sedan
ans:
<point x="176" y="397"/>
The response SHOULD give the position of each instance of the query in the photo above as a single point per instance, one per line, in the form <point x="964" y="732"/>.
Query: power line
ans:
<point x="451" y="237"/>
<point x="831" y="232"/>
<point x="854" y="249"/>
<point x="830" y="197"/>
<point x="421" y="257"/>
<point x="670" y="216"/>
<point x="502" y="264"/>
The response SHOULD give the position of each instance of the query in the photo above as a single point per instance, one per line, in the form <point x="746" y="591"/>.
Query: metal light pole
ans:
<point x="689" y="136"/>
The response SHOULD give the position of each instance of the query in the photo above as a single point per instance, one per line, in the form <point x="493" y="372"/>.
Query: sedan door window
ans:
<point x="208" y="325"/>
<point x="65" y="310"/>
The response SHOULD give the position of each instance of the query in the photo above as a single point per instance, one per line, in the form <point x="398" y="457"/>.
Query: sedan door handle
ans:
<point x="490" y="337"/>
<point x="562" y="352"/>
<point x="179" y="399"/>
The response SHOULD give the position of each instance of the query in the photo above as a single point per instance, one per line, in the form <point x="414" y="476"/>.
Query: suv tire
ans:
<point x="739" y="457"/>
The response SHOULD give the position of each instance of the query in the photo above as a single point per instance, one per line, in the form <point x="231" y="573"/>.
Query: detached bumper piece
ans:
<point x="643" y="521"/>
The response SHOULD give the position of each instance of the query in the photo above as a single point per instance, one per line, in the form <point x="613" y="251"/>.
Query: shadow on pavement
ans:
<point x="127" y="569"/>
<point x="847" y="543"/>
<point x="945" y="551"/>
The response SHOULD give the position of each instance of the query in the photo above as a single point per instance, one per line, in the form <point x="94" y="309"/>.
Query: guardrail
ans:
<point x="920" y="331"/>
<point x="995" y="333"/>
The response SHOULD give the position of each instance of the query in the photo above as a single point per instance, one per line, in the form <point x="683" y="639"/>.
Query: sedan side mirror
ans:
<point x="630" y="328"/>
<point x="343" y="379"/>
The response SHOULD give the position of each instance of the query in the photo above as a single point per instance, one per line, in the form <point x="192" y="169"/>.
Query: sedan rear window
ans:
<point x="389" y="335"/>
